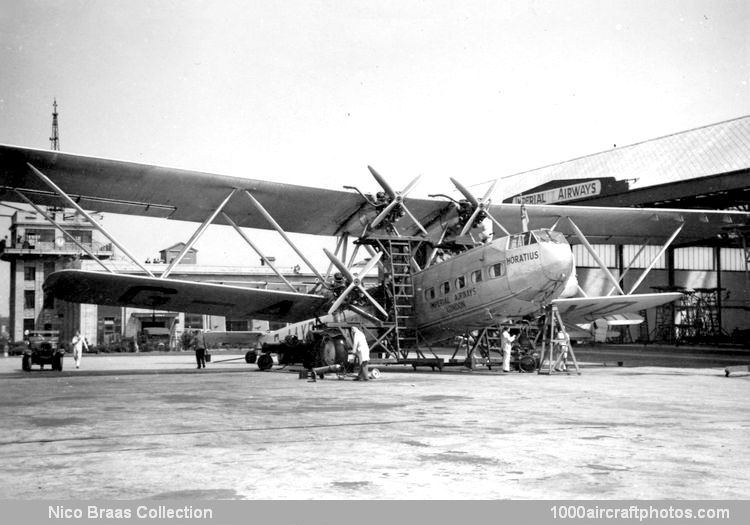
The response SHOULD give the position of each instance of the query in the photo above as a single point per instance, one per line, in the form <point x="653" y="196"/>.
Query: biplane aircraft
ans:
<point x="445" y="266"/>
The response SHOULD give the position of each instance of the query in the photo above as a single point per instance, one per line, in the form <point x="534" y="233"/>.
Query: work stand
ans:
<point x="557" y="352"/>
<point x="397" y="336"/>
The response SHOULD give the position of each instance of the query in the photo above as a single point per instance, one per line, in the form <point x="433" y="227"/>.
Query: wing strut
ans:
<point x="630" y="267"/>
<point x="69" y="236"/>
<point x="94" y="223"/>
<point x="257" y="250"/>
<point x="283" y="234"/>
<point x="656" y="257"/>
<point x="197" y="235"/>
<point x="595" y="255"/>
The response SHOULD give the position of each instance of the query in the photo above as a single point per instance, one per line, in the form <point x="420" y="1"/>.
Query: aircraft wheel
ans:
<point x="527" y="364"/>
<point x="327" y="352"/>
<point x="26" y="363"/>
<point x="265" y="362"/>
<point x="375" y="373"/>
<point x="250" y="357"/>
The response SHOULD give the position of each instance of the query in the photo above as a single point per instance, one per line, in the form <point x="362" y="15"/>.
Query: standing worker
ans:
<point x="362" y="352"/>
<point x="199" y="343"/>
<point x="506" y="340"/>
<point x="562" y="352"/>
<point x="79" y="343"/>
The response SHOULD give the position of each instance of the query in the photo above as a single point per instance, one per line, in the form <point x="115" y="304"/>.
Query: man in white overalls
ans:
<point x="506" y="342"/>
<point x="79" y="343"/>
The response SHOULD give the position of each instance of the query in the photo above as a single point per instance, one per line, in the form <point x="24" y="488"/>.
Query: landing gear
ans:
<point x="250" y="357"/>
<point x="265" y="362"/>
<point x="527" y="364"/>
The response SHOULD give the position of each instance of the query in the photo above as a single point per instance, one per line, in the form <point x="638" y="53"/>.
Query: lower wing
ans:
<point x="79" y="286"/>
<point x="582" y="309"/>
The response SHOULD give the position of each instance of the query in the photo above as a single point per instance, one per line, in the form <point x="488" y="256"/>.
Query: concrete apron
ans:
<point x="131" y="427"/>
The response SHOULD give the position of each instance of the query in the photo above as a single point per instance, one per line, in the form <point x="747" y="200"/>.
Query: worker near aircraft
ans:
<point x="361" y="351"/>
<point x="199" y="344"/>
<point x="79" y="343"/>
<point x="561" y="345"/>
<point x="506" y="342"/>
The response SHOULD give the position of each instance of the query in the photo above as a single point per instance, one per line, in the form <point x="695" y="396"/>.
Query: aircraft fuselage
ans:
<point x="509" y="277"/>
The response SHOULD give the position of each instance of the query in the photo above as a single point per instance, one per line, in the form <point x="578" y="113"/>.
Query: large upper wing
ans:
<point x="622" y="225"/>
<point x="587" y="309"/>
<point x="81" y="286"/>
<point x="131" y="188"/>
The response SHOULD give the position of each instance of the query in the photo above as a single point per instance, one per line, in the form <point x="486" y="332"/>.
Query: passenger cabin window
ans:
<point x="476" y="276"/>
<point x="445" y="287"/>
<point x="497" y="270"/>
<point x="461" y="282"/>
<point x="429" y="294"/>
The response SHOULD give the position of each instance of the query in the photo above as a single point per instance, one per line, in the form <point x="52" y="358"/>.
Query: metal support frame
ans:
<point x="482" y="339"/>
<point x="68" y="235"/>
<point x="283" y="234"/>
<point x="656" y="258"/>
<point x="94" y="223"/>
<point x="197" y="235"/>
<point x="257" y="250"/>
<point x="595" y="255"/>
<point x="553" y="324"/>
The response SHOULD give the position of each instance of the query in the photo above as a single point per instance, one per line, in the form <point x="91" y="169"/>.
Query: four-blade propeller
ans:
<point x="355" y="282"/>
<point x="480" y="206"/>
<point x="396" y="200"/>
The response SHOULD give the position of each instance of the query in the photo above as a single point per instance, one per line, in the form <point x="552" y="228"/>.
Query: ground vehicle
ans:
<point x="43" y="349"/>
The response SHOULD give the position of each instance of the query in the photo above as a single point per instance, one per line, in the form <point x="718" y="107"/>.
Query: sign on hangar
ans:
<point x="560" y="191"/>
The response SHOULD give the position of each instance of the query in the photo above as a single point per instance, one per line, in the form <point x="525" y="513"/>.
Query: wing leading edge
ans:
<point x="80" y="286"/>
<point x="587" y="309"/>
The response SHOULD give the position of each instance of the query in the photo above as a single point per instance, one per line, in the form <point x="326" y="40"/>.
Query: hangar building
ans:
<point x="703" y="168"/>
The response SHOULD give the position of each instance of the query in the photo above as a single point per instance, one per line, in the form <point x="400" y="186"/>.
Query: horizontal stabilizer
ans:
<point x="580" y="309"/>
<point x="79" y="286"/>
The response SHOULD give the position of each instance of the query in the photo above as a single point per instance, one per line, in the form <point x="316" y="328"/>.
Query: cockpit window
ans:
<point x="542" y="235"/>
<point x="549" y="236"/>
<point x="520" y="240"/>
<point x="557" y="237"/>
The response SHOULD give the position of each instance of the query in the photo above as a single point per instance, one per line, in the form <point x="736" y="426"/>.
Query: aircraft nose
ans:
<point x="557" y="261"/>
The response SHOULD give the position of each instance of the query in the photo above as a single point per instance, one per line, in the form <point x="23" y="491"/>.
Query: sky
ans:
<point x="311" y="92"/>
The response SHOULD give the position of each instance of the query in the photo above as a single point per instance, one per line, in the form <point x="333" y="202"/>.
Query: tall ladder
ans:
<point x="398" y="254"/>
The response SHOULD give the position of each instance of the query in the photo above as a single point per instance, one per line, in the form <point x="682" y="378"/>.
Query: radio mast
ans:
<point x="54" y="140"/>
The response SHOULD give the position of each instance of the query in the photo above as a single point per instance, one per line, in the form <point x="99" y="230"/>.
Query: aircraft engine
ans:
<point x="318" y="349"/>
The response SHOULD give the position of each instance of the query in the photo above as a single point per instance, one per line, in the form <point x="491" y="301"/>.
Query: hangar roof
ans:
<point x="716" y="149"/>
